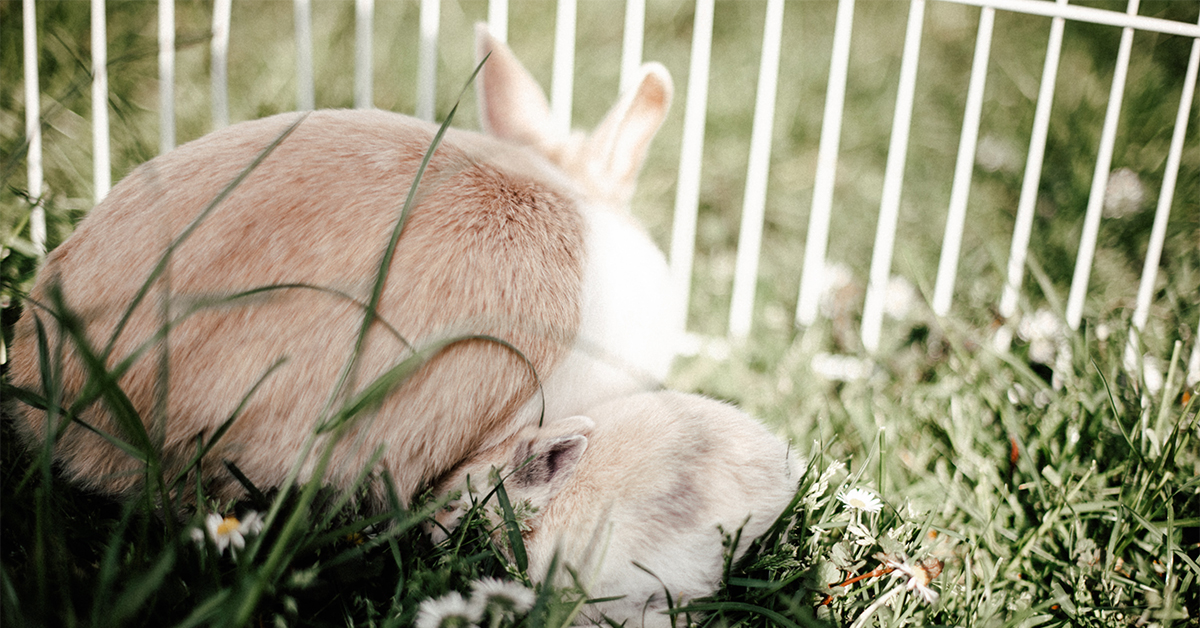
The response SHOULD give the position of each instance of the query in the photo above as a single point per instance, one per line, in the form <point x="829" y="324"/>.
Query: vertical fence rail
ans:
<point x="33" y="128"/>
<point x="893" y="181"/>
<point x="1032" y="178"/>
<point x="219" y="70"/>
<point x="632" y="41"/>
<point x="745" y="276"/>
<point x="364" y="72"/>
<point x="1158" y="232"/>
<point x="427" y="59"/>
<point x="1108" y="138"/>
<point x="166" y="75"/>
<point x="687" y="191"/>
<point x="305" y="100"/>
<point x="812" y="277"/>
<point x="964" y="168"/>
<point x="498" y="19"/>
<point x="562" y="82"/>
<point x="101" y="160"/>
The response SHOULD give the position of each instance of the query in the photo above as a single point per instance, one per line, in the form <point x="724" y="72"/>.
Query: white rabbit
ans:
<point x="519" y="234"/>
<point x="654" y="478"/>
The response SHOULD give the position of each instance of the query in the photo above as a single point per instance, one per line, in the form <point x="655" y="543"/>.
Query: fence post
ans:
<point x="33" y="129"/>
<point x="220" y="63"/>
<point x="166" y="75"/>
<point x="1108" y="137"/>
<point x="964" y="168"/>
<point x="305" y="100"/>
<point x="101" y="159"/>
<point x="632" y="41"/>
<point x="427" y="59"/>
<point x="1029" y="185"/>
<point x="893" y="180"/>
<point x="364" y="75"/>
<point x="687" y="192"/>
<point x="562" y="83"/>
<point x="812" y="277"/>
<point x="745" y="276"/>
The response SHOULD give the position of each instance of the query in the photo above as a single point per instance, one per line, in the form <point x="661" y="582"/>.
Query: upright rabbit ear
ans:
<point x="619" y="145"/>
<point x="512" y="105"/>
<point x="545" y="464"/>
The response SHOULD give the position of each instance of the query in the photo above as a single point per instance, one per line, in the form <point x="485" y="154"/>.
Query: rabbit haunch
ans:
<point x="502" y="241"/>
<point x="653" y="479"/>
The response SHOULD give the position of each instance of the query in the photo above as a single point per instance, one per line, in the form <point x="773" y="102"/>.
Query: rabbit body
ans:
<point x="501" y="242"/>
<point x="655" y="478"/>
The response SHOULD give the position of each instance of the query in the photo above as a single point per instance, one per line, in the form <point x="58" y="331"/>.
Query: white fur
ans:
<point x="654" y="479"/>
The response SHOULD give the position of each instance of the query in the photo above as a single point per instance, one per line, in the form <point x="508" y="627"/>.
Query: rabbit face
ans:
<point x="655" y="478"/>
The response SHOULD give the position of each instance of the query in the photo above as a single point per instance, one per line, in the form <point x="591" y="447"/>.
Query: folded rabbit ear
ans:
<point x="618" y="147"/>
<point x="546" y="463"/>
<point x="512" y="106"/>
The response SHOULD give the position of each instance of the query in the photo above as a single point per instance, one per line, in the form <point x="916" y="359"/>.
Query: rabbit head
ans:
<point x="655" y="478"/>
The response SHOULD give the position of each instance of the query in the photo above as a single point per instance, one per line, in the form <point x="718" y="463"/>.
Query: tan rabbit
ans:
<point x="518" y="234"/>
<point x="653" y="478"/>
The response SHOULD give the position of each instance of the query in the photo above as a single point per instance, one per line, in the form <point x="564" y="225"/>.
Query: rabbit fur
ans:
<point x="521" y="233"/>
<point x="655" y="478"/>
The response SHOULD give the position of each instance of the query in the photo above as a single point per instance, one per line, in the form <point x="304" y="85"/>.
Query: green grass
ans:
<point x="1064" y="496"/>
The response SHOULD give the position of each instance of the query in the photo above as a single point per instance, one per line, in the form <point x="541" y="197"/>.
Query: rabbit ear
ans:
<point x="619" y="145"/>
<point x="545" y="464"/>
<point x="512" y="106"/>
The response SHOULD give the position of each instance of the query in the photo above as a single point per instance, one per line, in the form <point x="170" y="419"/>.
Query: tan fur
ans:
<point x="652" y="478"/>
<point x="495" y="245"/>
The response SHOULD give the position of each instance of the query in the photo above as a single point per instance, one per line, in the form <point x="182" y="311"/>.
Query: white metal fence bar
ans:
<point x="101" y="156"/>
<point x="33" y="128"/>
<point x="631" y="42"/>
<point x="1108" y="138"/>
<point x="305" y="100"/>
<point x="956" y="217"/>
<point x="498" y="19"/>
<point x="427" y="59"/>
<point x="562" y="83"/>
<point x="745" y="277"/>
<point x="812" y="276"/>
<point x="166" y="75"/>
<point x="687" y="190"/>
<point x="219" y="72"/>
<point x="364" y="72"/>
<point x="1089" y="14"/>
<point x="1033" y="173"/>
<point x="893" y="181"/>
<point x="1171" y="171"/>
<point x="687" y="193"/>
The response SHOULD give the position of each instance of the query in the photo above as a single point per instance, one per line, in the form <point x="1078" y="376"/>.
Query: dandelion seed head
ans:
<point x="449" y="610"/>
<point x="505" y="597"/>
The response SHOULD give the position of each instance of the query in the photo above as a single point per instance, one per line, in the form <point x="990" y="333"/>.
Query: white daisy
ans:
<point x="229" y="531"/>
<point x="919" y="576"/>
<point x="449" y="610"/>
<point x="860" y="499"/>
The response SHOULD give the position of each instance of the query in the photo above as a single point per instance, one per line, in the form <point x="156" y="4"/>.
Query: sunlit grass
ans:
<point x="1046" y="494"/>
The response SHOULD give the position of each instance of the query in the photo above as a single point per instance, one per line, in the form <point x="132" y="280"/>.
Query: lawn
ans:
<point x="946" y="483"/>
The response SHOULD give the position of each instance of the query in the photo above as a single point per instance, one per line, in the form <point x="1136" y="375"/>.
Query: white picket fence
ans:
<point x="682" y="249"/>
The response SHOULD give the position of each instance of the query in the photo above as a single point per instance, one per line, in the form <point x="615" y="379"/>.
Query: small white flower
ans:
<point x="449" y="610"/>
<point x="860" y="499"/>
<point x="229" y="531"/>
<point x="1124" y="195"/>
<point x="919" y="576"/>
<point x="501" y="596"/>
